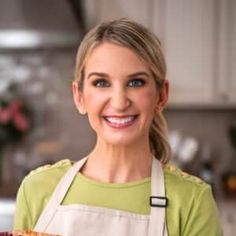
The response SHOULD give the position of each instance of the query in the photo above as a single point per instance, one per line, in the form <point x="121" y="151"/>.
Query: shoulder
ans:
<point x="188" y="198"/>
<point x="35" y="191"/>
<point x="46" y="170"/>
<point x="46" y="177"/>
<point x="175" y="176"/>
<point x="183" y="189"/>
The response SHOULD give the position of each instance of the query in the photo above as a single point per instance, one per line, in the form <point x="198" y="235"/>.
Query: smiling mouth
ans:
<point x="120" y="122"/>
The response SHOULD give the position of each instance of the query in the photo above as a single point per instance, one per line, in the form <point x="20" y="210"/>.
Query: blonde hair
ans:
<point x="145" y="44"/>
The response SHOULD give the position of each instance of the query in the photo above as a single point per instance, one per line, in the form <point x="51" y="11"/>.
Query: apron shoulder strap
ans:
<point x="158" y="201"/>
<point x="58" y="196"/>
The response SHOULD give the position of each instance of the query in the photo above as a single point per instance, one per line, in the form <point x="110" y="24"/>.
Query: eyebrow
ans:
<point x="101" y="74"/>
<point x="142" y="73"/>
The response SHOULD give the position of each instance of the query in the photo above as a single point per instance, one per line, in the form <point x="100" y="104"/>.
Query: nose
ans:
<point x="119" y="99"/>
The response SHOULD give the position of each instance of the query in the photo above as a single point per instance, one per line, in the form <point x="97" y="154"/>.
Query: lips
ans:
<point x="120" y="122"/>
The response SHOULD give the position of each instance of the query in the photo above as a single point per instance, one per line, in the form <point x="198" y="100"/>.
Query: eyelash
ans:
<point x="103" y="83"/>
<point x="138" y="83"/>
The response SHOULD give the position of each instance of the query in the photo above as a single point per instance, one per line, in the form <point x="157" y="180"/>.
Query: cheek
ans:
<point x="93" y="102"/>
<point x="148" y="100"/>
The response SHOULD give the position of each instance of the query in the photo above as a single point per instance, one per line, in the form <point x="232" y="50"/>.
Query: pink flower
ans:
<point x="15" y="107"/>
<point x="5" y="115"/>
<point x="21" y="122"/>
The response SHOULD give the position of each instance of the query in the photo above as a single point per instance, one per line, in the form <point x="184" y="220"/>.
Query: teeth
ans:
<point x="119" y="121"/>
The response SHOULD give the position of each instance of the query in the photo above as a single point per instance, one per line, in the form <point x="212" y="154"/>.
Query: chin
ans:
<point x="121" y="140"/>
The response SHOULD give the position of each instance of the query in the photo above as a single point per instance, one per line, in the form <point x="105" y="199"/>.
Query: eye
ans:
<point x="102" y="83"/>
<point x="136" y="83"/>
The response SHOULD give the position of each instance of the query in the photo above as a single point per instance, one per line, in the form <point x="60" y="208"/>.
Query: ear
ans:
<point x="163" y="96"/>
<point x="78" y="98"/>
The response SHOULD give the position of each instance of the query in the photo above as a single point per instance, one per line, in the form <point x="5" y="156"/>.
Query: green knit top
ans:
<point x="191" y="208"/>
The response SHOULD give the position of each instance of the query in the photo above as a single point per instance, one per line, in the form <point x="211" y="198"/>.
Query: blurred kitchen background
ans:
<point x="40" y="125"/>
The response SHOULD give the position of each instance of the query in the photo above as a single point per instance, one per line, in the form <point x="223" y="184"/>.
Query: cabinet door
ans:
<point x="188" y="38"/>
<point x="233" y="55"/>
<point x="226" y="70"/>
<point x="132" y="9"/>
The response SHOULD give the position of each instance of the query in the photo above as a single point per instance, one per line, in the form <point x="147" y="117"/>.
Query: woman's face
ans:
<point x="119" y="95"/>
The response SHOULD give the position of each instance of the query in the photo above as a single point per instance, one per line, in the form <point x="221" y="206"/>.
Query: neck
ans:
<point x="118" y="164"/>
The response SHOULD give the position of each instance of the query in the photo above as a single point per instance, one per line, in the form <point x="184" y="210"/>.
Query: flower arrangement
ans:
<point x="15" y="120"/>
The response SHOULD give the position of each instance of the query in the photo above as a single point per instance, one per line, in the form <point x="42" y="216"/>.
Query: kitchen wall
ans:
<point x="210" y="130"/>
<point x="43" y="78"/>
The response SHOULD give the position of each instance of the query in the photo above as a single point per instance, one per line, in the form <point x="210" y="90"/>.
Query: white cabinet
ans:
<point x="189" y="32"/>
<point x="226" y="88"/>
<point x="102" y="10"/>
<point x="199" y="43"/>
<point x="132" y="9"/>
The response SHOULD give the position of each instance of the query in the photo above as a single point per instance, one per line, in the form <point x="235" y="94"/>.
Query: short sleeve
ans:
<point x="35" y="192"/>
<point x="204" y="217"/>
<point x="22" y="217"/>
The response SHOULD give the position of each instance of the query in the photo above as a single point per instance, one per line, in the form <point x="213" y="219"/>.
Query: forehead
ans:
<point x="110" y="56"/>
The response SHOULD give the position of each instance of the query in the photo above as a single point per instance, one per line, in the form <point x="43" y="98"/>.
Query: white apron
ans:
<point x="83" y="220"/>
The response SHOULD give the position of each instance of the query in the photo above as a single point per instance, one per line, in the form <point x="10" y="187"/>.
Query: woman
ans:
<point x="124" y="186"/>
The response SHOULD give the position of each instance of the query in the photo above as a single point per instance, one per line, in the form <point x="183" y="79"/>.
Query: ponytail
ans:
<point x="158" y="136"/>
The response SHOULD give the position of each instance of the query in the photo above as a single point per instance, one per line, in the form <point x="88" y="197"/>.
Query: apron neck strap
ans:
<point x="58" y="196"/>
<point x="158" y="201"/>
